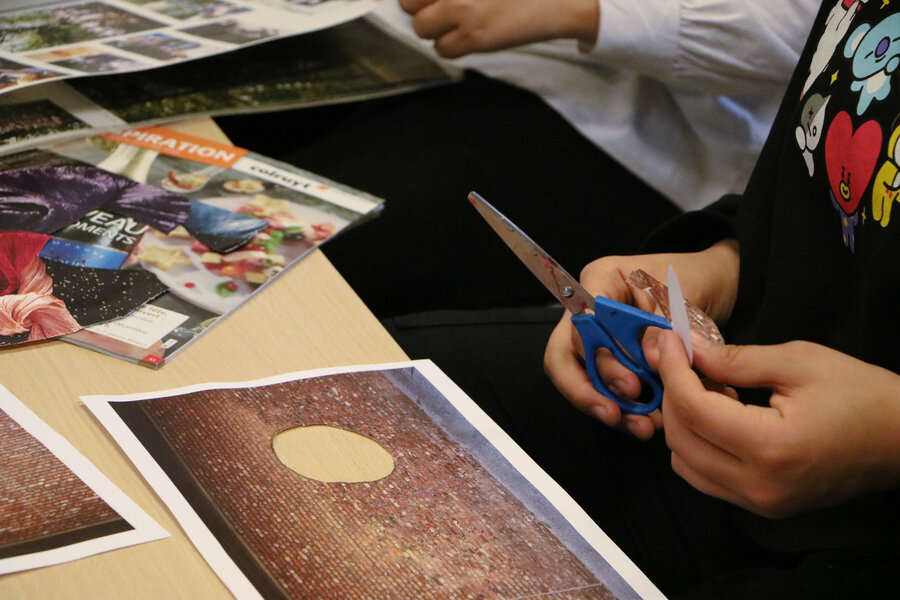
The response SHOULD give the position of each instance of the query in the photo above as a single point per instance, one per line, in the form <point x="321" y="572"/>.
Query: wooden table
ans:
<point x="308" y="318"/>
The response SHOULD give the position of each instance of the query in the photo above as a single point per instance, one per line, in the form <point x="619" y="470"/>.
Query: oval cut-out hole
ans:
<point x="332" y="455"/>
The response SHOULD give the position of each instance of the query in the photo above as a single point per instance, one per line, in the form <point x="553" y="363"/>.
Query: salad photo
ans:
<point x="218" y="281"/>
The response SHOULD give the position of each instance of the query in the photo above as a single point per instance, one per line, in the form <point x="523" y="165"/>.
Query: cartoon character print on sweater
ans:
<point x="856" y="152"/>
<point x="886" y="187"/>
<point x="850" y="160"/>
<point x="836" y="27"/>
<point x="875" y="54"/>
<point x="809" y="132"/>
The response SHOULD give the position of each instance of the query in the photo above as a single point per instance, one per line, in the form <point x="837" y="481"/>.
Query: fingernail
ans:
<point x="599" y="411"/>
<point x="661" y="342"/>
<point x="699" y="340"/>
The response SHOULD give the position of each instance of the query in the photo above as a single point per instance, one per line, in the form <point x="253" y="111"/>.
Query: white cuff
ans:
<point x="640" y="35"/>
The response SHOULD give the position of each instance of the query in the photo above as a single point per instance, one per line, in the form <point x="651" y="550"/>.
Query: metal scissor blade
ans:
<point x="562" y="285"/>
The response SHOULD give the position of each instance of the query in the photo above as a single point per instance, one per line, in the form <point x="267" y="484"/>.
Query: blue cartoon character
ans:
<point x="809" y="131"/>
<point x="850" y="159"/>
<point x="886" y="187"/>
<point x="875" y="54"/>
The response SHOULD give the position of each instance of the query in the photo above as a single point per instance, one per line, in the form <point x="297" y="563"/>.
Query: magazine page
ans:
<point x="380" y="481"/>
<point x="55" y="506"/>
<point x="348" y="62"/>
<point x="61" y="40"/>
<point x="251" y="218"/>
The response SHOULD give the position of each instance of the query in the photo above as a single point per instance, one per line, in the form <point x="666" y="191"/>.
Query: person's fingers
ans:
<point x="720" y="388"/>
<point x="747" y="366"/>
<point x="433" y="21"/>
<point x="414" y="6"/>
<point x="643" y="426"/>
<point x="458" y="42"/>
<point x="716" y="418"/>
<point x="703" y="483"/>
<point x="616" y="376"/>
<point x="567" y="373"/>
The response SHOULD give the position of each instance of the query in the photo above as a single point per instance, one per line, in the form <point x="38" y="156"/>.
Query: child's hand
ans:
<point x="461" y="27"/>
<point x="832" y="431"/>
<point x="709" y="280"/>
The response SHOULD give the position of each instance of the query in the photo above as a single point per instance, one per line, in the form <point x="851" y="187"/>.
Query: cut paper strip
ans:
<point x="96" y="296"/>
<point x="55" y="506"/>
<point x="681" y="324"/>
<point x="219" y="229"/>
<point x="46" y="199"/>
<point x="699" y="320"/>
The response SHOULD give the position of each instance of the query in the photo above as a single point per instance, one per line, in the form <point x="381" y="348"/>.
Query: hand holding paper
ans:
<point x="828" y="434"/>
<point x="461" y="27"/>
<point x="708" y="278"/>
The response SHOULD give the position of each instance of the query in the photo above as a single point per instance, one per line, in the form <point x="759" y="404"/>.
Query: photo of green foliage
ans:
<point x="35" y="119"/>
<point x="55" y="26"/>
<point x="339" y="64"/>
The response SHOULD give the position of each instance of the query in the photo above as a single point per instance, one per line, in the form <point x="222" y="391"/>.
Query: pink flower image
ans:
<point x="27" y="302"/>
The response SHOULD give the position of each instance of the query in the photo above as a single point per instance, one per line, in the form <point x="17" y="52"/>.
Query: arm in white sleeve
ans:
<point x="719" y="46"/>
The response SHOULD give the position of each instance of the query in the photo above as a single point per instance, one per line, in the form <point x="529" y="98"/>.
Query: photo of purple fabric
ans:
<point x="46" y="199"/>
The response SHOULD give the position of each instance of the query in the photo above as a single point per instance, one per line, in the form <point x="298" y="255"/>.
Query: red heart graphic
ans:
<point x="850" y="158"/>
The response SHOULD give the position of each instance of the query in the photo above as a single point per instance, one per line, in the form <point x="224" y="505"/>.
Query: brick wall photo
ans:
<point x="439" y="527"/>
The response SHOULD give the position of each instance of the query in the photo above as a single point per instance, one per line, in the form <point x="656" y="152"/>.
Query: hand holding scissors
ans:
<point x="601" y="322"/>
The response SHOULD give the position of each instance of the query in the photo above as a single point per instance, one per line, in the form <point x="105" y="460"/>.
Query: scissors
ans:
<point x="612" y="325"/>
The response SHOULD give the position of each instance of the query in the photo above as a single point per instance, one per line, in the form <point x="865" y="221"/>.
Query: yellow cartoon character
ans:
<point x="887" y="182"/>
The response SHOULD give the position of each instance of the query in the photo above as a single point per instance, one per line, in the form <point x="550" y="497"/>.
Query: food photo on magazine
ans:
<point x="135" y="243"/>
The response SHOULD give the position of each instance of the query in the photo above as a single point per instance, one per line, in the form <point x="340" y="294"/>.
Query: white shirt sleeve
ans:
<point x="721" y="46"/>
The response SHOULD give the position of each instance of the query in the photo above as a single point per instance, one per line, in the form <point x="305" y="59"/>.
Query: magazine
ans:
<point x="59" y="40"/>
<point x="251" y="218"/>
<point x="344" y="63"/>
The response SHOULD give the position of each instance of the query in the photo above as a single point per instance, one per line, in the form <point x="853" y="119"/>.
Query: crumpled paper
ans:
<point x="699" y="320"/>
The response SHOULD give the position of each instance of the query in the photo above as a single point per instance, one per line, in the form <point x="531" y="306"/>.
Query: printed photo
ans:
<point x="233" y="32"/>
<point x="13" y="74"/>
<point x="60" y="25"/>
<point x="36" y="119"/>
<point x="89" y="59"/>
<point x="54" y="505"/>
<point x="435" y="511"/>
<point x="159" y="46"/>
<point x="99" y="63"/>
<point x="200" y="9"/>
<point x="301" y="6"/>
<point x="45" y="505"/>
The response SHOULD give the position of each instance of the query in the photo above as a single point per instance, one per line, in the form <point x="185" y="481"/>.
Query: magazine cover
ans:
<point x="348" y="62"/>
<point x="230" y="222"/>
<point x="381" y="481"/>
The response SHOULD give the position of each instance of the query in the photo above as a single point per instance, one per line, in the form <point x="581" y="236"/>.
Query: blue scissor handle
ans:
<point x="618" y="326"/>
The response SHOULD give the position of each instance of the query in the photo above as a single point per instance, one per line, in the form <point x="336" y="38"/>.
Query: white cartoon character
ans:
<point x="886" y="188"/>
<point x="809" y="132"/>
<point x="875" y="54"/>
<point x="836" y="26"/>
